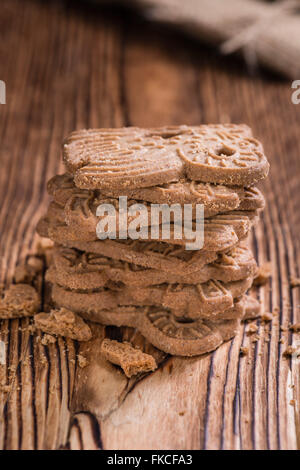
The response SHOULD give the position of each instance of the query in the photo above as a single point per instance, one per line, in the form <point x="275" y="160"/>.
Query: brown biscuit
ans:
<point x="215" y="198"/>
<point x="63" y="322"/>
<point x="73" y="269"/>
<point x="252" y="308"/>
<point x="184" y="300"/>
<point x="132" y="315"/>
<point x="43" y="227"/>
<point x="61" y="188"/>
<point x="219" y="235"/>
<point x="157" y="255"/>
<point x="251" y="199"/>
<point x="172" y="335"/>
<point x="221" y="232"/>
<point x="211" y="297"/>
<point x="137" y="158"/>
<point x="200" y="336"/>
<point x="81" y="218"/>
<point x="133" y="361"/>
<point x="20" y="300"/>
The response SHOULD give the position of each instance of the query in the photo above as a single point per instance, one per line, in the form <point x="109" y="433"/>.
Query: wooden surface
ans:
<point x="65" y="69"/>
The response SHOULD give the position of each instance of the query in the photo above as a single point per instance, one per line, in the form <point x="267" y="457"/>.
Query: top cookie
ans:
<point x="136" y="158"/>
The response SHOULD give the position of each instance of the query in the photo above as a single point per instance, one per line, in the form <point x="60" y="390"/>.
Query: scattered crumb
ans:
<point x="267" y="317"/>
<point x="181" y="413"/>
<point x="82" y="361"/>
<point x="283" y="328"/>
<point x="43" y="360"/>
<point x="5" y="388"/>
<point x="295" y="327"/>
<point x="252" y="329"/>
<point x="48" y="339"/>
<point x="63" y="322"/>
<point x="20" y="300"/>
<point x="281" y="341"/>
<point x="31" y="329"/>
<point x="294" y="282"/>
<point x="254" y="339"/>
<point x="292" y="403"/>
<point x="131" y="360"/>
<point x="290" y="350"/>
<point x="244" y="351"/>
<point x="263" y="274"/>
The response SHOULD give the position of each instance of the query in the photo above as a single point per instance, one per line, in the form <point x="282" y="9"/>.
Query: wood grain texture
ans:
<point x="65" y="69"/>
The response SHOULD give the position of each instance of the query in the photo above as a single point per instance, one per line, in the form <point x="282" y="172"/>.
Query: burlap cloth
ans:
<point x="264" y="32"/>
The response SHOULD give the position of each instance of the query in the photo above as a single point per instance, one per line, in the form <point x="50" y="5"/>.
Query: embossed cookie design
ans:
<point x="74" y="269"/>
<point x="137" y="158"/>
<point x="190" y="301"/>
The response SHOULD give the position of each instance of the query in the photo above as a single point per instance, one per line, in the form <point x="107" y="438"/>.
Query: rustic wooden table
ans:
<point x="66" y="69"/>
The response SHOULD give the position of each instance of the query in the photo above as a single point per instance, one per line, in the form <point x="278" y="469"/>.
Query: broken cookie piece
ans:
<point x="20" y="300"/>
<point x="48" y="339"/>
<point x="244" y="351"/>
<point x="63" y="322"/>
<point x="263" y="274"/>
<point x="295" y="327"/>
<point x="252" y="308"/>
<point x="82" y="361"/>
<point x="294" y="282"/>
<point x="131" y="360"/>
<point x="290" y="351"/>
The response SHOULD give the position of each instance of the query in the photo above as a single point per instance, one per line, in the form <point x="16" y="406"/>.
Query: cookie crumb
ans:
<point x="292" y="402"/>
<point x="244" y="351"/>
<point x="20" y="300"/>
<point x="252" y="329"/>
<point x="255" y="338"/>
<point x="63" y="322"/>
<point x="82" y="361"/>
<point x="131" y="360"/>
<point x="267" y="317"/>
<point x="48" y="339"/>
<point x="294" y="281"/>
<point x="290" y="350"/>
<point x="31" y="329"/>
<point x="263" y="274"/>
<point x="295" y="327"/>
<point x="5" y="388"/>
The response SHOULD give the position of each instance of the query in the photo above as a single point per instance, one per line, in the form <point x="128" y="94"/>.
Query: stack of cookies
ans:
<point x="184" y="301"/>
